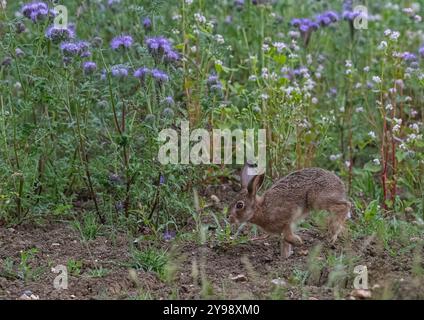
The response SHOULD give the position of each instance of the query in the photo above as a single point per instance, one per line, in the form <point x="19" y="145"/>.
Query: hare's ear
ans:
<point x="245" y="178"/>
<point x="255" y="184"/>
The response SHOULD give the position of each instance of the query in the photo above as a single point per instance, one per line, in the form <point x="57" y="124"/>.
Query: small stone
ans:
<point x="215" y="199"/>
<point x="24" y="297"/>
<point x="312" y="298"/>
<point x="28" y="295"/>
<point x="279" y="282"/>
<point x="11" y="230"/>
<point x="239" y="278"/>
<point x="55" y="244"/>
<point x="361" y="293"/>
<point x="304" y="252"/>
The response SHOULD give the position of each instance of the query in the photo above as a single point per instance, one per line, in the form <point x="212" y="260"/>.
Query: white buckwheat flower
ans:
<point x="376" y="79"/>
<point x="395" y="35"/>
<point x="219" y="38"/>
<point x="279" y="46"/>
<point x="382" y="45"/>
<point x="199" y="18"/>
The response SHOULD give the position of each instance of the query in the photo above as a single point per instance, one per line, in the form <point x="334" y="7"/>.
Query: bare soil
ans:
<point x="255" y="263"/>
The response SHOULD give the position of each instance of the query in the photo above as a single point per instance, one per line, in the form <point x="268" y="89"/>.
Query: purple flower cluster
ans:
<point x="56" y="34"/>
<point x="421" y="52"/>
<point x="348" y="13"/>
<point x="304" y="25"/>
<point x="408" y="56"/>
<point x="36" y="11"/>
<point x="169" y="101"/>
<point x="113" y="2"/>
<point x="158" y="75"/>
<point x="147" y="24"/>
<point x="327" y="18"/>
<point x="238" y="4"/>
<point x="119" y="71"/>
<point x="214" y="84"/>
<point x="123" y="41"/>
<point x="161" y="48"/>
<point x="89" y="67"/>
<point x="141" y="73"/>
<point x="80" y="48"/>
<point x="169" y="235"/>
<point x="291" y="74"/>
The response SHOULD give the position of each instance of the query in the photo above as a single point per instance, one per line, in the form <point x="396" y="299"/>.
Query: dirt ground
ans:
<point x="255" y="263"/>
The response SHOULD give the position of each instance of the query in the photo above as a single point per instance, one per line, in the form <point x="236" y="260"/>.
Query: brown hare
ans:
<point x="290" y="199"/>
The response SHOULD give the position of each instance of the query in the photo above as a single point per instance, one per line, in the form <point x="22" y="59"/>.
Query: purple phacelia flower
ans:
<point x="350" y="15"/>
<point x="119" y="71"/>
<point x="238" y="3"/>
<point x="141" y="73"/>
<point x="169" y="235"/>
<point x="79" y="48"/>
<point x="327" y="18"/>
<point x="19" y="53"/>
<point x="212" y="79"/>
<point x="147" y="24"/>
<point x="421" y="52"/>
<point x="161" y="180"/>
<point x="408" y="57"/>
<point x="296" y="22"/>
<point x="113" y="2"/>
<point x="169" y="101"/>
<point x="159" y="76"/>
<point x="216" y="88"/>
<point x="115" y="178"/>
<point x="124" y="41"/>
<point x="160" y="47"/>
<point x="172" y="56"/>
<point x="36" y="11"/>
<point x="89" y="67"/>
<point x="57" y="34"/>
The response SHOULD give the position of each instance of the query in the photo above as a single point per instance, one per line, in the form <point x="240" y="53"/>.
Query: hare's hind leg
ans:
<point x="340" y="211"/>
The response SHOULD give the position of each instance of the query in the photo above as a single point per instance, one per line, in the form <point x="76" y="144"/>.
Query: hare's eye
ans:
<point x="240" y="205"/>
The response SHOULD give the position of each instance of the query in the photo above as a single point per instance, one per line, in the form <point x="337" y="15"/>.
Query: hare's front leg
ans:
<point x="290" y="237"/>
<point x="340" y="212"/>
<point x="286" y="248"/>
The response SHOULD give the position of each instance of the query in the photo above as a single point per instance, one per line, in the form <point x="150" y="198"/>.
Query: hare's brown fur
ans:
<point x="290" y="199"/>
